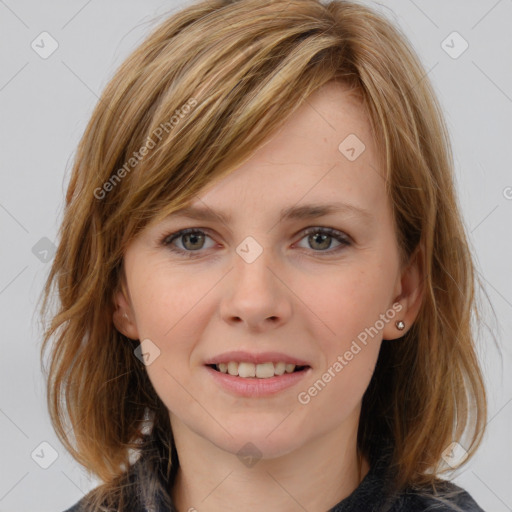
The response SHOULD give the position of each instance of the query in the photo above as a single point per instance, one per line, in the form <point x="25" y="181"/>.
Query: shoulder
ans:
<point x="77" y="507"/>
<point x="375" y="494"/>
<point x="447" y="497"/>
<point x="84" y="504"/>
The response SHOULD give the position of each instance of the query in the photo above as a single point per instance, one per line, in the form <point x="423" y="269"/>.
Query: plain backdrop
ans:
<point x="45" y="104"/>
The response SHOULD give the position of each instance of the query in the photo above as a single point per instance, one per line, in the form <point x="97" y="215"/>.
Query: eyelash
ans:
<point x="338" y="235"/>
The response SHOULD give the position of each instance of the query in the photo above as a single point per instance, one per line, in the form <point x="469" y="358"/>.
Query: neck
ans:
<point x="313" y="477"/>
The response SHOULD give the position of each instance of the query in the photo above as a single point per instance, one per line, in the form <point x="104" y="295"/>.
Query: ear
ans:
<point x="408" y="294"/>
<point x="123" y="316"/>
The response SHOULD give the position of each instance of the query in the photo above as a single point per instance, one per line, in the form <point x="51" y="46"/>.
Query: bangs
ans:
<point x="199" y="121"/>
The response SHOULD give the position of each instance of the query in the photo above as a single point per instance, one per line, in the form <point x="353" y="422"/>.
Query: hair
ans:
<point x="192" y="103"/>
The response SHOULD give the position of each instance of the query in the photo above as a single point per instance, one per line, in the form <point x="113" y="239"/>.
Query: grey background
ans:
<point x="45" y="104"/>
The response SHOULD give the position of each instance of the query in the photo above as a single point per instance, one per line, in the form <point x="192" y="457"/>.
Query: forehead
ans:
<point x="325" y="152"/>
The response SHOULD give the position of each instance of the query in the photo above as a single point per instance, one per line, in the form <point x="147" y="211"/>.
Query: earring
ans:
<point x="125" y="315"/>
<point x="400" y="325"/>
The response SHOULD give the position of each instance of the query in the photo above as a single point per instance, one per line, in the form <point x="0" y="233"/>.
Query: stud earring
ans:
<point x="400" y="325"/>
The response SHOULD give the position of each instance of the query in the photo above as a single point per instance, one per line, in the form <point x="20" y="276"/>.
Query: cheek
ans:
<point x="351" y="300"/>
<point x="169" y="310"/>
<point x="165" y="300"/>
<point x="338" y="391"/>
<point x="350" y="308"/>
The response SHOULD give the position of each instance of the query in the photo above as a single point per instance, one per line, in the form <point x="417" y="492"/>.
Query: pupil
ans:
<point x="193" y="238"/>
<point x="323" y="238"/>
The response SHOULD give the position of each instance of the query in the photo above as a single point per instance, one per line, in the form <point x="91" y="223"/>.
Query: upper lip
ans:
<point x="256" y="358"/>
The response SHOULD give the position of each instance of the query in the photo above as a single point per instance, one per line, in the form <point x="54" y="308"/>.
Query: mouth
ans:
<point x="257" y="380"/>
<point x="253" y="371"/>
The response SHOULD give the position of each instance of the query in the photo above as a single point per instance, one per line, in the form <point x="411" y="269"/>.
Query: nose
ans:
<point x="255" y="294"/>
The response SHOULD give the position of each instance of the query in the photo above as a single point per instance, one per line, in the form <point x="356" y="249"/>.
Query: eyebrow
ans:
<point x="306" y="211"/>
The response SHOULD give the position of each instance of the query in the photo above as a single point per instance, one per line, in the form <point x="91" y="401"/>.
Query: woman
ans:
<point x="264" y="280"/>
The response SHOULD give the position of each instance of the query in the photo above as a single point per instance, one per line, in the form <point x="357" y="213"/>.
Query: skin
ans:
<point x="301" y="296"/>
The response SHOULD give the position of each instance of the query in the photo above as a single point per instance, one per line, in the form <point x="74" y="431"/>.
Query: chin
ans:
<point x="259" y="440"/>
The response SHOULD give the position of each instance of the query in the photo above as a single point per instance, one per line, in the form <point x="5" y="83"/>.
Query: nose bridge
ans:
<point x="252" y="262"/>
<point x="255" y="294"/>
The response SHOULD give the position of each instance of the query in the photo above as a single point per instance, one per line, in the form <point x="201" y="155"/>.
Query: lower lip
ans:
<point x="254" y="387"/>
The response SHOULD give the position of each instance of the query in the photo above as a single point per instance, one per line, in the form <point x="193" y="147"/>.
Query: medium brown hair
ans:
<point x="201" y="94"/>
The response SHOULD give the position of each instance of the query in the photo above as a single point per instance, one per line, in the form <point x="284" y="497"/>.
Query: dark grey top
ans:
<point x="369" y="496"/>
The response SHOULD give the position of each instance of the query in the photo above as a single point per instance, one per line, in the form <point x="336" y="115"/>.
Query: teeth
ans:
<point x="279" y="368"/>
<point x="260" y="371"/>
<point x="263" y="371"/>
<point x="233" y="368"/>
<point x="247" y="370"/>
<point x="289" y="368"/>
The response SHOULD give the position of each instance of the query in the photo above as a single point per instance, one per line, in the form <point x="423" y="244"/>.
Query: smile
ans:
<point x="255" y="386"/>
<point x="258" y="371"/>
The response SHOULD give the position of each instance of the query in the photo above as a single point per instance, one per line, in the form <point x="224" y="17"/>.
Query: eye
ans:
<point x="193" y="240"/>
<point x="320" y="238"/>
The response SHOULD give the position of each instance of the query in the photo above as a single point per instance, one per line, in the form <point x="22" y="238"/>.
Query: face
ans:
<point x="317" y="287"/>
